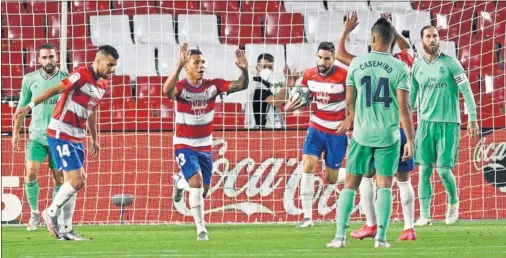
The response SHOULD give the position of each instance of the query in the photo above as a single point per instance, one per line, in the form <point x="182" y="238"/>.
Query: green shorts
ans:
<point x="360" y="159"/>
<point x="437" y="144"/>
<point x="38" y="152"/>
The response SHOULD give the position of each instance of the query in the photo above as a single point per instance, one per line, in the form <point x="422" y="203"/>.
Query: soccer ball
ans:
<point x="301" y="93"/>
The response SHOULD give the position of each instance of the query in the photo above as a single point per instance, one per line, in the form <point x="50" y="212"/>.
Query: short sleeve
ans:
<point x="26" y="94"/>
<point x="180" y="87"/>
<point x="74" y="80"/>
<point x="403" y="79"/>
<point x="350" y="80"/>
<point x="222" y="85"/>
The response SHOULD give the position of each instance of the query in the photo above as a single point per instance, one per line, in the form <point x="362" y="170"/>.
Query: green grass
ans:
<point x="466" y="239"/>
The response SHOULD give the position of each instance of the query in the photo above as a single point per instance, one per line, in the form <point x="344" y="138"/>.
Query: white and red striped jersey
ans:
<point x="195" y="113"/>
<point x="84" y="91"/>
<point x="329" y="93"/>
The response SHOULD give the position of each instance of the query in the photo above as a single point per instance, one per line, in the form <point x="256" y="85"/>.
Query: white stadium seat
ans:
<point x="277" y="51"/>
<point x="198" y="29"/>
<point x="362" y="33"/>
<point x="154" y="29"/>
<point x="447" y="47"/>
<point x="413" y="21"/>
<point x="396" y="6"/>
<point x="301" y="56"/>
<point x="323" y="26"/>
<point x="136" y="61"/>
<point x="110" y="30"/>
<point x="349" y="5"/>
<point x="167" y="59"/>
<point x="303" y="7"/>
<point x="220" y="61"/>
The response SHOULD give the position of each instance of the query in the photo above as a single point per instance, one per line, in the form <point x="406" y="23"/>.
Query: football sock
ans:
<point x="450" y="185"/>
<point x="408" y="203"/>
<point x="383" y="209"/>
<point x="424" y="191"/>
<point x="64" y="194"/>
<point x="306" y="194"/>
<point x="367" y="200"/>
<point x="32" y="194"/>
<point x="197" y="208"/>
<point x="344" y="208"/>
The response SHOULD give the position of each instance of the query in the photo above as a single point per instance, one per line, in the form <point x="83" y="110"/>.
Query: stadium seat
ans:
<point x="150" y="96"/>
<point x="301" y="56"/>
<point x="11" y="86"/>
<point x="277" y="51"/>
<point x="167" y="59"/>
<point x="475" y="80"/>
<point x="91" y="7"/>
<point x="479" y="55"/>
<point x="353" y="5"/>
<point x="78" y="31"/>
<point x="284" y="28"/>
<point x="219" y="6"/>
<point x="134" y="7"/>
<point x="177" y="7"/>
<point x="198" y="29"/>
<point x="323" y="26"/>
<point x="432" y="5"/>
<point x="477" y="5"/>
<point x="136" y="61"/>
<point x="491" y="24"/>
<point x="12" y="63"/>
<point x="362" y="33"/>
<point x="412" y="21"/>
<point x="262" y="6"/>
<point x="304" y="7"/>
<point x="110" y="30"/>
<point x="80" y="57"/>
<point x="447" y="47"/>
<point x="154" y="29"/>
<point x="45" y="7"/>
<point x="220" y="60"/>
<point x="12" y="8"/>
<point x="119" y="88"/>
<point x="25" y="27"/>
<point x="240" y="29"/>
<point x="398" y="6"/>
<point x="454" y="23"/>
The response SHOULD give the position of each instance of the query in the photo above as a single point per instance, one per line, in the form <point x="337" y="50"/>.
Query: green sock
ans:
<point x="32" y="194"/>
<point x="449" y="183"/>
<point x="424" y="191"/>
<point x="55" y="191"/>
<point x="344" y="207"/>
<point x="383" y="211"/>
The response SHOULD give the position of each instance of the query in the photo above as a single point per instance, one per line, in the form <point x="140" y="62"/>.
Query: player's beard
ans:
<point x="49" y="68"/>
<point x="431" y="50"/>
<point x="322" y="69"/>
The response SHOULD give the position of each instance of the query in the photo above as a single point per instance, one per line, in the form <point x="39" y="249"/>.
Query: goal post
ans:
<point x="257" y="172"/>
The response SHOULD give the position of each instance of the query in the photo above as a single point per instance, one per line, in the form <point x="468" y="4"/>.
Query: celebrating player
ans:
<point x="403" y="180"/>
<point x="326" y="86"/>
<point x="195" y="98"/>
<point x="377" y="92"/>
<point x="37" y="148"/>
<point x="436" y="81"/>
<point x="81" y="93"/>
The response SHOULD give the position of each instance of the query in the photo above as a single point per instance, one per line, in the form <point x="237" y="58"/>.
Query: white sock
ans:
<point x="306" y="194"/>
<point x="66" y="214"/>
<point x="183" y="184"/>
<point x="197" y="208"/>
<point x="64" y="194"/>
<point x="408" y="203"/>
<point x="367" y="200"/>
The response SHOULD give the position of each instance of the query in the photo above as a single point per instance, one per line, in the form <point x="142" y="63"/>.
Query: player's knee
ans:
<point x="58" y="177"/>
<point x="402" y="177"/>
<point x="383" y="181"/>
<point x="31" y="172"/>
<point x="195" y="181"/>
<point x="78" y="183"/>
<point x="331" y="176"/>
<point x="352" y="181"/>
<point x="309" y="164"/>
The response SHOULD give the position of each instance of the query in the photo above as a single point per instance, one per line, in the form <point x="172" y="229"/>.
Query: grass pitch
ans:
<point x="465" y="239"/>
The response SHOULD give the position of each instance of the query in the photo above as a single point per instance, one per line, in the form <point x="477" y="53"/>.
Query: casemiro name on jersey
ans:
<point x="380" y="64"/>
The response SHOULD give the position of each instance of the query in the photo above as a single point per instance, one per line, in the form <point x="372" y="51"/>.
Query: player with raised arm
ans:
<point x="195" y="101"/>
<point x="37" y="148"/>
<point x="436" y="82"/>
<point x="366" y="188"/>
<point x="377" y="91"/>
<point x="80" y="94"/>
<point x="326" y="83"/>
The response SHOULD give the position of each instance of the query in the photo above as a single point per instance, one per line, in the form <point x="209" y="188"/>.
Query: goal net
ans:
<point x="257" y="172"/>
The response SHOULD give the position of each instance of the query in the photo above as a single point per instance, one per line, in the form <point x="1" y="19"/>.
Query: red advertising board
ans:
<point x="256" y="178"/>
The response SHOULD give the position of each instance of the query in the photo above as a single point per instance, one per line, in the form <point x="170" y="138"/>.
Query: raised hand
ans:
<point x="351" y="22"/>
<point x="184" y="55"/>
<point x="387" y="16"/>
<point x="291" y="76"/>
<point x="241" y="60"/>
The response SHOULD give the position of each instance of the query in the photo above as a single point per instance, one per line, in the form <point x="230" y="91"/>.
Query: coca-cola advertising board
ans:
<point x="256" y="179"/>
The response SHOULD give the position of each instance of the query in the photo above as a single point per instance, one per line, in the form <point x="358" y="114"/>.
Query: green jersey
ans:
<point x="437" y="86"/>
<point x="376" y="77"/>
<point x="34" y="84"/>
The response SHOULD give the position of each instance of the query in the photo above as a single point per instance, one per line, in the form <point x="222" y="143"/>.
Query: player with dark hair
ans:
<point x="326" y="84"/>
<point x="195" y="101"/>
<point x="76" y="107"/>
<point x="436" y="82"/>
<point x="366" y="189"/>
<point x="37" y="148"/>
<point x="377" y="91"/>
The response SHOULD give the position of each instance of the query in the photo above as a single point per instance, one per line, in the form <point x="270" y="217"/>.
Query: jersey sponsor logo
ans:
<point x="198" y="106"/>
<point x="433" y="83"/>
<point x="74" y="77"/>
<point x="322" y="97"/>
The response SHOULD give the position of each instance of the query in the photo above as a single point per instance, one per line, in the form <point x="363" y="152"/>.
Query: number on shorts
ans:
<point x="63" y="150"/>
<point x="180" y="159"/>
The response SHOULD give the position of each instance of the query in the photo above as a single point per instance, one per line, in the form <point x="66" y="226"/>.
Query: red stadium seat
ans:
<point x="81" y="57"/>
<point x="177" y="7"/>
<point x="12" y="61"/>
<point x="45" y="7"/>
<point x="475" y="81"/>
<point x="219" y="6"/>
<point x="12" y="8"/>
<point x="90" y="7"/>
<point x="479" y="55"/>
<point x="26" y="27"/>
<point x="262" y="6"/>
<point x="454" y="23"/>
<point x="119" y="88"/>
<point x="477" y="5"/>
<point x="240" y="29"/>
<point x="134" y="7"/>
<point x="11" y="86"/>
<point x="78" y="31"/>
<point x="432" y="5"/>
<point x="491" y="24"/>
<point x="284" y="28"/>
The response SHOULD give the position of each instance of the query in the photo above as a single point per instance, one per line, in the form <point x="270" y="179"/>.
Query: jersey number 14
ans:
<point x="383" y="85"/>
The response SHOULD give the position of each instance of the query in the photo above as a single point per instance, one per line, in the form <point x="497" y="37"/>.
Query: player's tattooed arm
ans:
<point x="349" y="25"/>
<point x="169" y="87"/>
<point x="49" y="93"/>
<point x="243" y="81"/>
<point x="92" y="127"/>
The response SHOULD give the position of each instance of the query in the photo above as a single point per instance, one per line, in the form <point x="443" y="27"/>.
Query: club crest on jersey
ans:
<point x="323" y="97"/>
<point x="442" y="70"/>
<point x="199" y="106"/>
<point x="74" y="77"/>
